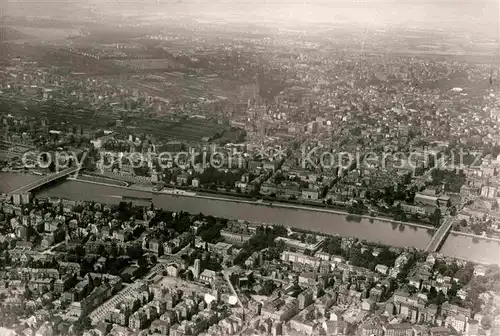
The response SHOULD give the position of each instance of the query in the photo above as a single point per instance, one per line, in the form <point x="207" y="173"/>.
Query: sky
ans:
<point x="398" y="13"/>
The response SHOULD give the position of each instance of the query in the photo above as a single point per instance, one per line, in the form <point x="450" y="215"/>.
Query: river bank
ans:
<point x="109" y="182"/>
<point x="124" y="185"/>
<point x="315" y="209"/>
<point x="264" y="204"/>
<point x="377" y="230"/>
<point x="327" y="221"/>
<point x="98" y="179"/>
<point x="466" y="234"/>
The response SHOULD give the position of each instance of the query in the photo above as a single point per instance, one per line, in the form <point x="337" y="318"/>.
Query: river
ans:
<point x="456" y="245"/>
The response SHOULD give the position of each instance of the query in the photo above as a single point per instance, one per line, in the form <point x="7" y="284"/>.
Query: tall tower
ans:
<point x="261" y="124"/>
<point x="196" y="268"/>
<point x="256" y="96"/>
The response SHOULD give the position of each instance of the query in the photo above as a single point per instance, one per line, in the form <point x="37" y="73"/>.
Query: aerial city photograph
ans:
<point x="249" y="168"/>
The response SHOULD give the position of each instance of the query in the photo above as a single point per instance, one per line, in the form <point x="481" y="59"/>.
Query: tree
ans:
<point x="135" y="252"/>
<point x="441" y="298"/>
<point x="333" y="246"/>
<point x="452" y="292"/>
<point x="136" y="305"/>
<point x="28" y="294"/>
<point x="303" y="237"/>
<point x="355" y="256"/>
<point x="210" y="234"/>
<point x="436" y="298"/>
<point x="464" y="274"/>
<point x="486" y="322"/>
<point x="436" y="216"/>
<point x="311" y="239"/>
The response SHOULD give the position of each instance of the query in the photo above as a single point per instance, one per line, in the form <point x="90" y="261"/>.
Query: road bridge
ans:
<point x="440" y="235"/>
<point x="43" y="181"/>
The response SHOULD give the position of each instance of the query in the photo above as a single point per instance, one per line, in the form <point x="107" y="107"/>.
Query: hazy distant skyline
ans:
<point x="477" y="15"/>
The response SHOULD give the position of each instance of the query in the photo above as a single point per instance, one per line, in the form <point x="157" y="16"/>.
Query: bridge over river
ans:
<point x="35" y="185"/>
<point x="440" y="235"/>
<point x="455" y="244"/>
